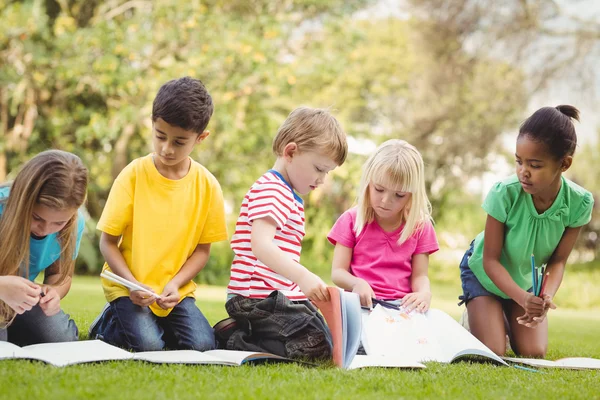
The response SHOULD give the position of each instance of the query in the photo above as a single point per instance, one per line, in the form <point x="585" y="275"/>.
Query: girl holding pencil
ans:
<point x="40" y="232"/>
<point x="534" y="218"/>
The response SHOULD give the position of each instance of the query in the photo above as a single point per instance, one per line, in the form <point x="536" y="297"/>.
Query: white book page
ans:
<point x="454" y="340"/>
<point x="67" y="353"/>
<point x="239" y="357"/>
<point x="180" y="357"/>
<point x="362" y="361"/>
<point x="569" y="363"/>
<point x="12" y="351"/>
<point x="400" y="335"/>
<point x="351" y="311"/>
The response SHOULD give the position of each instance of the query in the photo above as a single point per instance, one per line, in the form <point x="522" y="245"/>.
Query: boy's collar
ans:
<point x="296" y="196"/>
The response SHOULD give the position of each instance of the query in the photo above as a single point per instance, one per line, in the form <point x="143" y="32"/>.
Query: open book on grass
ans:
<point x="566" y="363"/>
<point x="344" y="318"/>
<point x="433" y="336"/>
<point x="69" y="353"/>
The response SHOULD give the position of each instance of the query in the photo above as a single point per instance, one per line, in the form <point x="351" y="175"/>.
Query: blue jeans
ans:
<point x="127" y="325"/>
<point x="34" y="327"/>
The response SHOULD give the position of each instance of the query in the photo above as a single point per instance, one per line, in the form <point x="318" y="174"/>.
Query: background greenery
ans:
<point x="447" y="76"/>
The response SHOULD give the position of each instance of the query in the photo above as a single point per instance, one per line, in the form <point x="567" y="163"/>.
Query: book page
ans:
<point x="455" y="341"/>
<point x="180" y="357"/>
<point x="236" y="357"/>
<point x="361" y="361"/>
<point x="12" y="351"/>
<point x="433" y="336"/>
<point x="67" y="353"/>
<point x="401" y="335"/>
<point x="567" y="363"/>
<point x="351" y="314"/>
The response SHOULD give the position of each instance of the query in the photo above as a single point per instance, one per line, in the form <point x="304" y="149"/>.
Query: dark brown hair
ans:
<point x="184" y="103"/>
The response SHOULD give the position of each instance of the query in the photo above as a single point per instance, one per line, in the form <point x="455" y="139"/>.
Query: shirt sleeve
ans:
<point x="497" y="202"/>
<point x="118" y="210"/>
<point x="583" y="214"/>
<point x="342" y="231"/>
<point x="270" y="200"/>
<point x="427" y="240"/>
<point x="215" y="227"/>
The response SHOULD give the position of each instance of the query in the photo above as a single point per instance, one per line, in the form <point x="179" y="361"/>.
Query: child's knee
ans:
<point x="147" y="342"/>
<point x="532" y="350"/>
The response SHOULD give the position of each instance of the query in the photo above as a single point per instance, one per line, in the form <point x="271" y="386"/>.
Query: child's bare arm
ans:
<point x="494" y="240"/>
<point x="420" y="298"/>
<point x="109" y="247"/>
<point x="193" y="265"/>
<point x="341" y="276"/>
<point x="558" y="261"/>
<point x="263" y="233"/>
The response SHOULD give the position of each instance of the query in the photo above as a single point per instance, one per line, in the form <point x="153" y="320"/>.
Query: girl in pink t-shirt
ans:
<point x="382" y="245"/>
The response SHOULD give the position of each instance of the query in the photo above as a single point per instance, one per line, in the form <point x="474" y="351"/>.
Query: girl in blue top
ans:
<point x="539" y="212"/>
<point x="40" y="230"/>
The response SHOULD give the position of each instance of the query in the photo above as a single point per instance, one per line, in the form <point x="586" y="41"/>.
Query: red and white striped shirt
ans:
<point x="270" y="196"/>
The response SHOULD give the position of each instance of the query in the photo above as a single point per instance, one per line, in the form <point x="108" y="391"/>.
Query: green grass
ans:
<point x="572" y="333"/>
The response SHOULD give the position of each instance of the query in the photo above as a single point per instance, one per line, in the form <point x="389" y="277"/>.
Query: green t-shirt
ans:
<point x="526" y="231"/>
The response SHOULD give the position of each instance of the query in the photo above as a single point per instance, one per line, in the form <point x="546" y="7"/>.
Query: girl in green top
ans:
<point x="539" y="212"/>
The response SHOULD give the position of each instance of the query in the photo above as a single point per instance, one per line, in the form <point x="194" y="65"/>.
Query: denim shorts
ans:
<point x="470" y="284"/>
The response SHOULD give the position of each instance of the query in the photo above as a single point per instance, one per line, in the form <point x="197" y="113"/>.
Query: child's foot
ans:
<point x="223" y="331"/>
<point x="101" y="318"/>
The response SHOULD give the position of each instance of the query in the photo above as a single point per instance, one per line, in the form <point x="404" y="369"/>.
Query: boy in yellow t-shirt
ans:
<point x="162" y="214"/>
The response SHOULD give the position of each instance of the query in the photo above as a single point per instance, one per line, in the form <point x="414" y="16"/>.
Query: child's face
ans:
<point x="387" y="202"/>
<point x="173" y="144"/>
<point x="307" y="170"/>
<point x="46" y="221"/>
<point x="536" y="168"/>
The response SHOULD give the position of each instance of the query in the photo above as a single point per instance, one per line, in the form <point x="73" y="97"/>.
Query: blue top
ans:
<point x="44" y="252"/>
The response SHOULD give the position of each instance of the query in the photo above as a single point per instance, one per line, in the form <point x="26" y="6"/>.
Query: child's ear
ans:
<point x="290" y="150"/>
<point x="566" y="163"/>
<point x="202" y="136"/>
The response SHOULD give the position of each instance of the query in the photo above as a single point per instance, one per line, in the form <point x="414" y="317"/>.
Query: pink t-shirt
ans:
<point x="376" y="256"/>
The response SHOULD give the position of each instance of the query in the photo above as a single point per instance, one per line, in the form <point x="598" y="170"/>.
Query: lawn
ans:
<point x="572" y="333"/>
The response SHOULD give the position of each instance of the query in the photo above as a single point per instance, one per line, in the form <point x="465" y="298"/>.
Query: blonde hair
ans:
<point x="312" y="129"/>
<point x="398" y="164"/>
<point x="56" y="179"/>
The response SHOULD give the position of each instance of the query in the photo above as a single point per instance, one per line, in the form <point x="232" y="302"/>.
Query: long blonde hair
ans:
<point x="398" y="164"/>
<point x="56" y="179"/>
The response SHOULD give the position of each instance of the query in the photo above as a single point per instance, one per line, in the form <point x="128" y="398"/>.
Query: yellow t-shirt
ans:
<point x="160" y="222"/>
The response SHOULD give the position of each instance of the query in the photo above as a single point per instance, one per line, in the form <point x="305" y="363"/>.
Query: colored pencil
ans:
<point x="545" y="280"/>
<point x="533" y="276"/>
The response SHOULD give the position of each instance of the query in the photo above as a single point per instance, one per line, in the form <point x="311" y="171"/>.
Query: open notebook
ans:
<point x="87" y="351"/>
<point x="344" y="318"/>
<point x="409" y="337"/>
<point x="566" y="363"/>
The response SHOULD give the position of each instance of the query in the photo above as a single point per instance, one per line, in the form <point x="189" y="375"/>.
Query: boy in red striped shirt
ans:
<point x="269" y="289"/>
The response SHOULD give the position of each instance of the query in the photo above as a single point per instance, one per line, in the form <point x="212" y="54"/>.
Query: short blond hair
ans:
<point x="312" y="129"/>
<point x="398" y="164"/>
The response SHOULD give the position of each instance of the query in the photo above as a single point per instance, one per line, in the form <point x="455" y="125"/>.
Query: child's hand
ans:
<point x="19" y="293"/>
<point x="418" y="301"/>
<point x="533" y="305"/>
<point x="365" y="292"/>
<point x="169" y="297"/>
<point x="533" y="321"/>
<point x="50" y="301"/>
<point x="141" y="298"/>
<point x="313" y="287"/>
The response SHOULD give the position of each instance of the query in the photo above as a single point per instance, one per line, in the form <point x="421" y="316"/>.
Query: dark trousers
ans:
<point x="277" y="325"/>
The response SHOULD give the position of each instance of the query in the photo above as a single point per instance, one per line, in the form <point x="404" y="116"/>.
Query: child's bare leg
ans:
<point x="486" y="321"/>
<point x="526" y="342"/>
